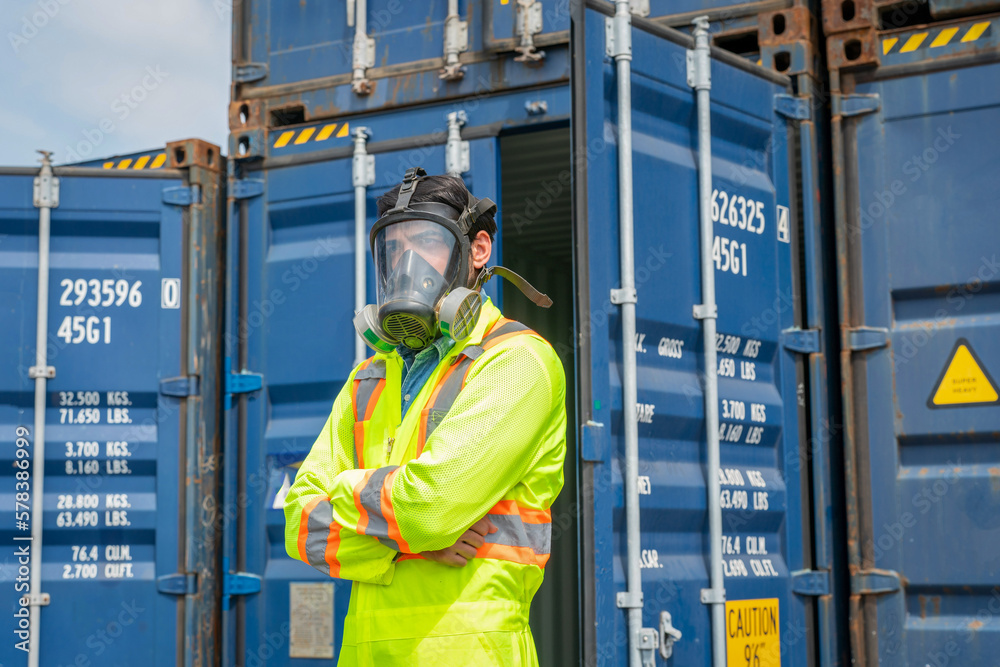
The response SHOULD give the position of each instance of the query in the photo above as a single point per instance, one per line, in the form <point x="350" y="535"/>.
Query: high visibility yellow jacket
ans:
<point x="485" y="435"/>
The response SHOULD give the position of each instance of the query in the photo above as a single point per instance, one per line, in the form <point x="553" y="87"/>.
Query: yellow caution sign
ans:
<point x="753" y="634"/>
<point x="964" y="380"/>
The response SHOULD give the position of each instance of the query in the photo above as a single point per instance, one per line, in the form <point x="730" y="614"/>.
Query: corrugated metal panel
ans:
<point x="130" y="463"/>
<point x="920" y="301"/>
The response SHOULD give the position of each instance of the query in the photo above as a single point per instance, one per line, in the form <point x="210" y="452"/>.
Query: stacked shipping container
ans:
<point x="850" y="185"/>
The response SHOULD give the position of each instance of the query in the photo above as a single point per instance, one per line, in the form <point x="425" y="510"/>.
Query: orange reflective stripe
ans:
<point x="527" y="514"/>
<point x="505" y="507"/>
<point x="359" y="445"/>
<point x="363" y="521"/>
<point x="373" y="401"/>
<point x="390" y="514"/>
<point x="332" y="545"/>
<point x="523" y="555"/>
<point x="304" y="526"/>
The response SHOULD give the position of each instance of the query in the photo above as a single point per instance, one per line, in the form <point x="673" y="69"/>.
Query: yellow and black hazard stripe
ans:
<point x="936" y="38"/>
<point x="305" y="135"/>
<point x="154" y="161"/>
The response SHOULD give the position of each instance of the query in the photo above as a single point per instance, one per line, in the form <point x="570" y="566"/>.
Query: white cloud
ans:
<point x="72" y="74"/>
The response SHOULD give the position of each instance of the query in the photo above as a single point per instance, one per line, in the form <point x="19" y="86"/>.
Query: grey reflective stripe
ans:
<point x="513" y="532"/>
<point x="510" y="327"/>
<point x="371" y="500"/>
<point x="318" y="534"/>
<point x="364" y="396"/>
<point x="375" y="370"/>
<point x="473" y="352"/>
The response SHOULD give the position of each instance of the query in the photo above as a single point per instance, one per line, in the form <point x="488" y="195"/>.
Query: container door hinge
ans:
<point x="793" y="107"/>
<point x="182" y="195"/>
<point x="867" y="338"/>
<point x="181" y="387"/>
<point x="240" y="383"/>
<point x="803" y="341"/>
<point x="248" y="72"/>
<point x="178" y="584"/>
<point x="237" y="583"/>
<point x="875" y="582"/>
<point x="855" y="105"/>
<point x="246" y="188"/>
<point x="592" y="442"/>
<point x="811" y="582"/>
<point x="668" y="635"/>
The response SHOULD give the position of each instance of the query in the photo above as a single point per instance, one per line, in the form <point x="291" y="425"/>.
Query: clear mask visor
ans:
<point x="415" y="261"/>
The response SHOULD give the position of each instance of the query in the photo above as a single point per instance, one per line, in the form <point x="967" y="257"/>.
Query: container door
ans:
<point x="290" y="345"/>
<point x="131" y="441"/>
<point x="923" y="280"/>
<point x="763" y="493"/>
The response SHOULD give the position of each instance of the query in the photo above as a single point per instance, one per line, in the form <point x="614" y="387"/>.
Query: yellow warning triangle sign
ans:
<point x="964" y="380"/>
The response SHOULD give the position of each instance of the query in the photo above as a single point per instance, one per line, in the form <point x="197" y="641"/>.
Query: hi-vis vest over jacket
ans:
<point x="486" y="435"/>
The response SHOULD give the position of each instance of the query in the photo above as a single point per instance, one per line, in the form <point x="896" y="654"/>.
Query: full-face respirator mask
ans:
<point x="422" y="252"/>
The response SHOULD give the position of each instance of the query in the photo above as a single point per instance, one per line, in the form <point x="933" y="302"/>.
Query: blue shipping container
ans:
<point x="920" y="296"/>
<point x="132" y="440"/>
<point x="532" y="143"/>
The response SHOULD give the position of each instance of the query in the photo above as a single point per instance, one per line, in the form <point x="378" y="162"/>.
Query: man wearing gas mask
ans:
<point x="431" y="482"/>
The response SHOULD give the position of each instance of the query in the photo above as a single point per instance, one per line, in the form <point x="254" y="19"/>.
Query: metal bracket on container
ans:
<point x="456" y="40"/>
<point x="181" y="387"/>
<point x="803" y="341"/>
<point x="856" y="105"/>
<point x="248" y="72"/>
<point x="46" y="190"/>
<point x="668" y="635"/>
<point x="622" y="295"/>
<point x="536" y="108"/>
<point x="47" y="372"/>
<point x="458" y="159"/>
<point x="529" y="24"/>
<point x="178" y="584"/>
<point x="875" y="582"/>
<point x="629" y="600"/>
<point x="247" y="188"/>
<point x="811" y="582"/>
<point x="867" y="338"/>
<point x="639" y="7"/>
<point x="713" y="595"/>
<point x="240" y="383"/>
<point x="701" y="311"/>
<point x="649" y="641"/>
<point x="790" y="106"/>
<point x="38" y="599"/>
<point x="182" y="195"/>
<point x="362" y="164"/>
<point x="617" y="43"/>
<point x="237" y="583"/>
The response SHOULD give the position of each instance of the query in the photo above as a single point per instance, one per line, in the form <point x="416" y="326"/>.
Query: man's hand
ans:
<point x="458" y="554"/>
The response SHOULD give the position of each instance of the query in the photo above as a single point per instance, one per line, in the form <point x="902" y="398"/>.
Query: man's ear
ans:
<point x="481" y="247"/>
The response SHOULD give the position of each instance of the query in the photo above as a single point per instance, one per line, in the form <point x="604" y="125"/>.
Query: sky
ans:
<point x="88" y="79"/>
